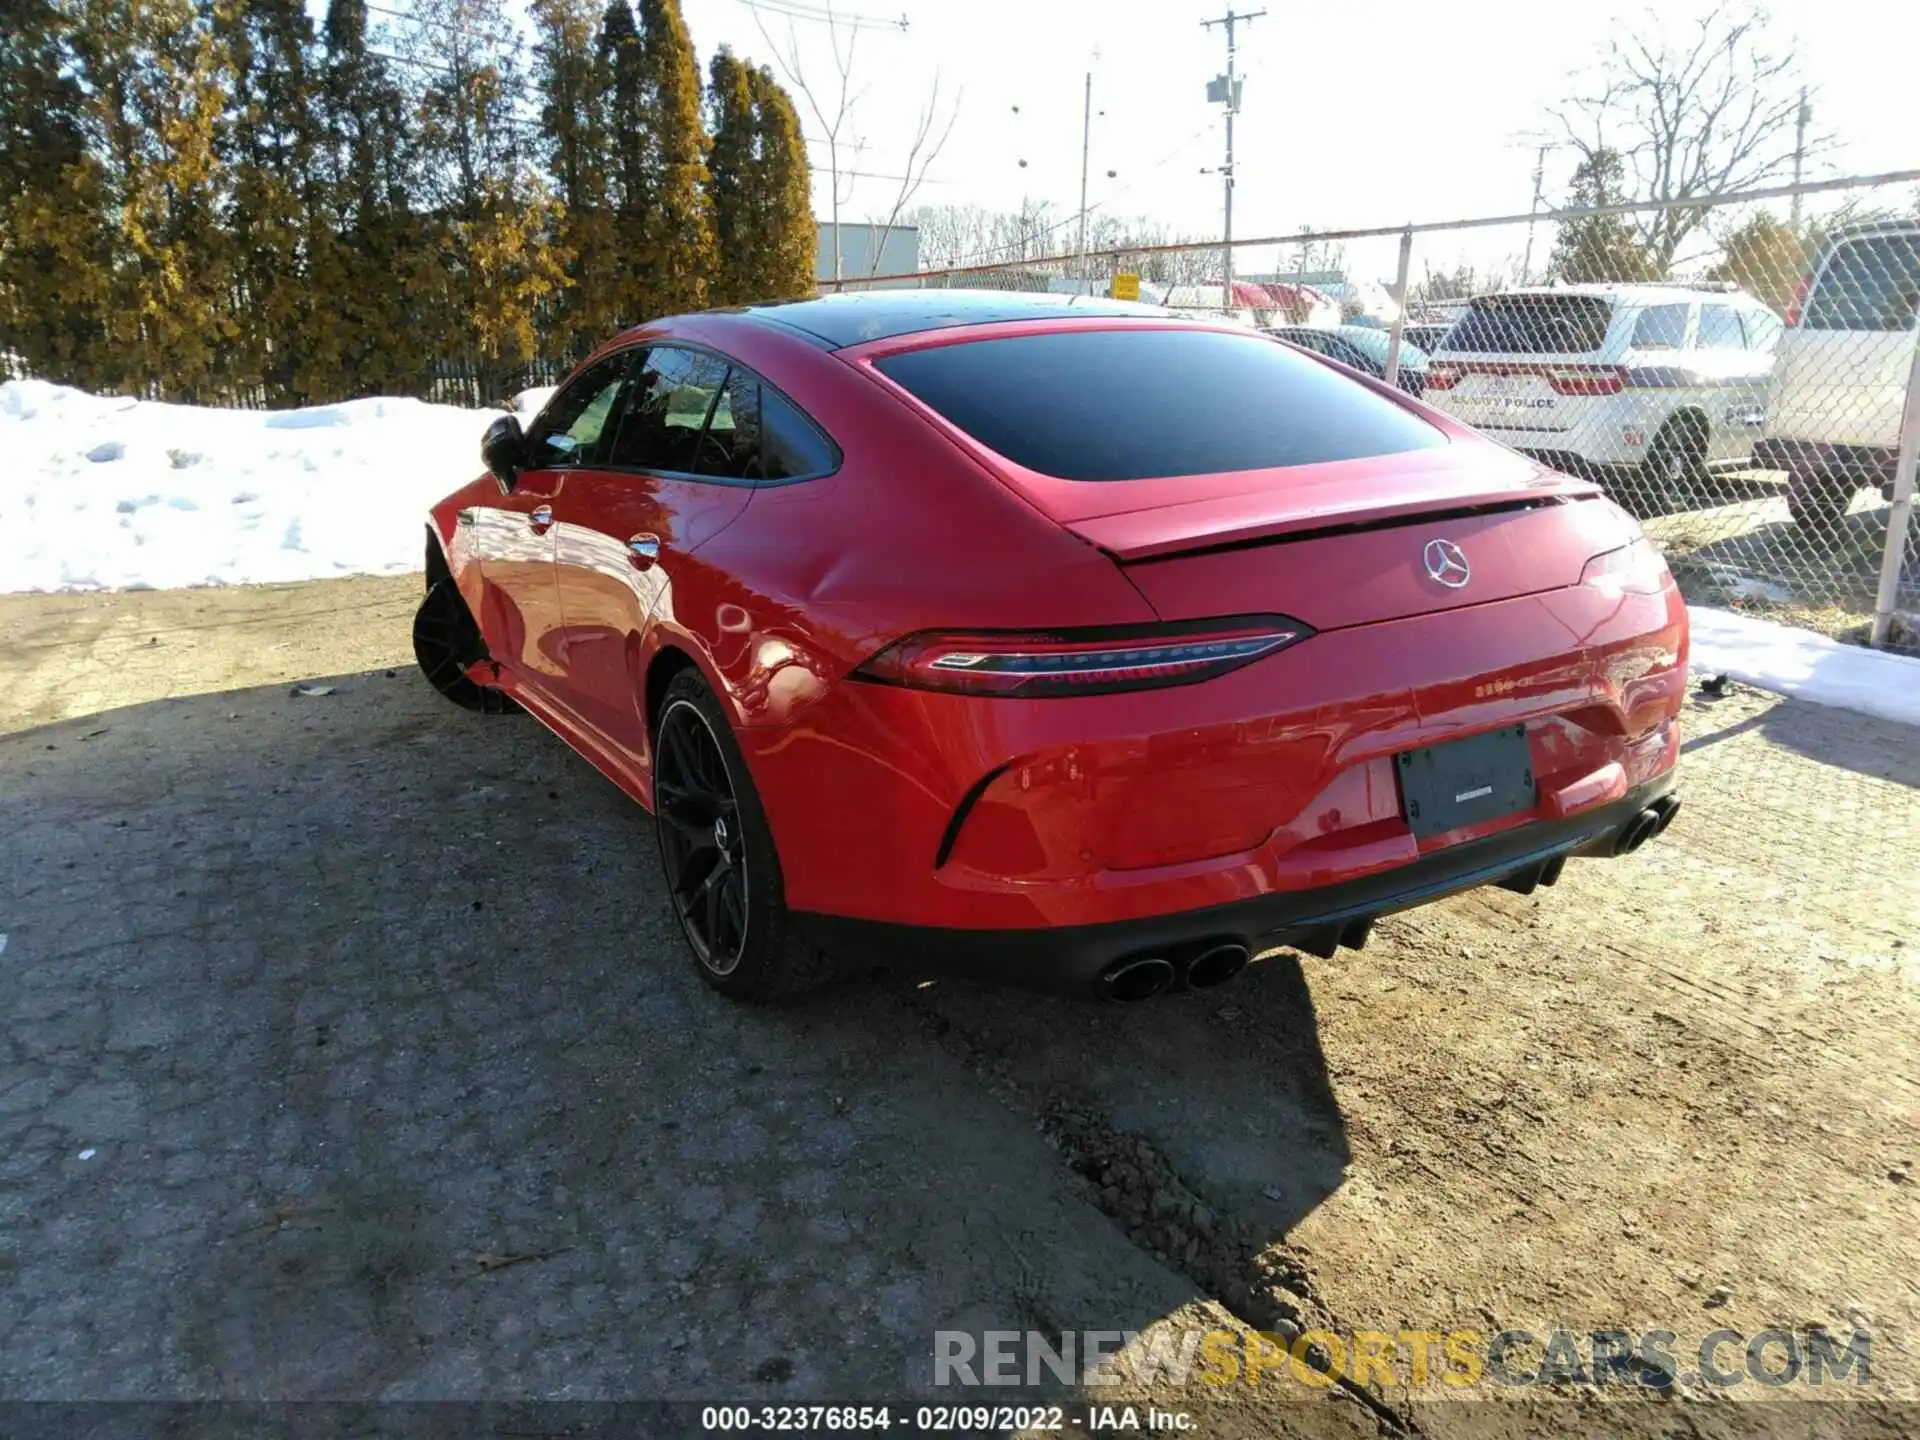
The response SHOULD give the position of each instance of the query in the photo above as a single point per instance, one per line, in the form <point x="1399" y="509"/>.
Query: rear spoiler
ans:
<point x="1270" y="517"/>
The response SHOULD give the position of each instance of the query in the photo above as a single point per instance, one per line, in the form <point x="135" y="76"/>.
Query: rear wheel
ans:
<point x="722" y="871"/>
<point x="447" y="645"/>
<point x="1819" y="502"/>
<point x="1676" y="463"/>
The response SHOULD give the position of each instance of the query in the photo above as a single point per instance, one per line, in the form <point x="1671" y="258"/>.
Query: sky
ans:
<point x="1364" y="113"/>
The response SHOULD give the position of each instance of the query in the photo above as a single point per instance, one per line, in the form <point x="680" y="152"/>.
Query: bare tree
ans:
<point x="921" y="153"/>
<point x="949" y="234"/>
<point x="1716" y="113"/>
<point x="832" y="104"/>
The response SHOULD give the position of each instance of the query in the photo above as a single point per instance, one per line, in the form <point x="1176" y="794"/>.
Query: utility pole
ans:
<point x="1539" y="179"/>
<point x="1086" y="139"/>
<point x="1231" y="95"/>
<point x="1799" y="152"/>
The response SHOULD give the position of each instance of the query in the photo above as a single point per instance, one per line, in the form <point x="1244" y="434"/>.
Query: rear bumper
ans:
<point x="1862" y="464"/>
<point x="1071" y="959"/>
<point x="953" y="812"/>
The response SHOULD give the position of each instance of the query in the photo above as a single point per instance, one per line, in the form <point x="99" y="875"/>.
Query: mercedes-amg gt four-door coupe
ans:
<point x="1052" y="637"/>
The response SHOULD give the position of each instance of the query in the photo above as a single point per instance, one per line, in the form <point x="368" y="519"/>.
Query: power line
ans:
<point x="824" y="15"/>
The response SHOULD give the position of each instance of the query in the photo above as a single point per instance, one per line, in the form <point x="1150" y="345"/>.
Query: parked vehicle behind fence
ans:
<point x="1642" y="387"/>
<point x="1363" y="348"/>
<point x="1839" y="389"/>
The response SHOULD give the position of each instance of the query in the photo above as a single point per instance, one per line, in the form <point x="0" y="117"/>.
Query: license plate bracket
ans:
<point x="1465" y="782"/>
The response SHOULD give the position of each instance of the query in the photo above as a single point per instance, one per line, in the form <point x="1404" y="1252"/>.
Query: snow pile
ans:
<point x="102" y="492"/>
<point x="1805" y="665"/>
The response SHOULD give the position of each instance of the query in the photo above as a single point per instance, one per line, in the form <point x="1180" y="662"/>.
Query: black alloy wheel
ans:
<point x="702" y="837"/>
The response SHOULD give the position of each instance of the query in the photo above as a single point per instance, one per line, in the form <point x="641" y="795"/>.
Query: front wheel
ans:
<point x="447" y="645"/>
<point x="722" y="871"/>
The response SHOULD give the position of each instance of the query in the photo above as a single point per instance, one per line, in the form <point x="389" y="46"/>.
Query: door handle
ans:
<point x="643" y="550"/>
<point x="463" y="517"/>
<point x="541" y="518"/>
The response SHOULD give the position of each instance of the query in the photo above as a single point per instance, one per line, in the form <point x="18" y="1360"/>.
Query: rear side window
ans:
<point x="790" y="448"/>
<point x="1531" y="325"/>
<point x="1136" y="404"/>
<point x="1720" y="329"/>
<point x="1872" y="283"/>
<point x="755" y="435"/>
<point x="1763" y="329"/>
<point x="1663" y="327"/>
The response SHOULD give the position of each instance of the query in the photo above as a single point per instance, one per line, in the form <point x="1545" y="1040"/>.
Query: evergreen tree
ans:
<point x="679" y="252"/>
<point x="157" y="77"/>
<point x="360" y="339"/>
<point x="630" y="135"/>
<point x="1767" y="258"/>
<point x="788" y="236"/>
<point x="55" y="258"/>
<point x="490" y="223"/>
<point x="574" y="84"/>
<point x="735" y="181"/>
<point x="1599" y="247"/>
<point x="276" y="209"/>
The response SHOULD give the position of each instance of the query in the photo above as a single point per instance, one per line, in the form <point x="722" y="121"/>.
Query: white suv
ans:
<point x="1642" y="387"/>
<point x="1833" y="413"/>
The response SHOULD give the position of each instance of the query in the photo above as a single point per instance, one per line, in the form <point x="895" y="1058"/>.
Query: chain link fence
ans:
<point x="1741" y="372"/>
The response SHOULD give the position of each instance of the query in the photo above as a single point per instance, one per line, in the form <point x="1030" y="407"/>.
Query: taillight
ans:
<point x="1795" y="305"/>
<point x="1051" y="664"/>
<point x="1587" y="379"/>
<point x="1637" y="568"/>
<point x="1442" y="377"/>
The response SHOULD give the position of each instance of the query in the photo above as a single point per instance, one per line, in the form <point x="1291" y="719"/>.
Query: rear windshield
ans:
<point x="1135" y="404"/>
<point x="1870" y="284"/>
<point x="1532" y="325"/>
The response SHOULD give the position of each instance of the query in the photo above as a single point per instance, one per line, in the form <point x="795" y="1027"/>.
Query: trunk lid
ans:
<point x="1336" y="549"/>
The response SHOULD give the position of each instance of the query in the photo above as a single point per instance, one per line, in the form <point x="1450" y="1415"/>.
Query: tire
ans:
<point x="1676" y="463"/>
<point x="1819" y="503"/>
<point x="446" y="643"/>
<point x="718" y="856"/>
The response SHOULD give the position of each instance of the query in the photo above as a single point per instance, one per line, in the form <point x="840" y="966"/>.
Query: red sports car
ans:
<point x="1052" y="637"/>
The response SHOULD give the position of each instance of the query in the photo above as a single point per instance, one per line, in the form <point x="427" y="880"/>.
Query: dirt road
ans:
<point x="352" y="1055"/>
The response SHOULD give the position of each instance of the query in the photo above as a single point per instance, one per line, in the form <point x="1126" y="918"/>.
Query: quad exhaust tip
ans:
<point x="1217" y="964"/>
<point x="1647" y="824"/>
<point x="1140" y="978"/>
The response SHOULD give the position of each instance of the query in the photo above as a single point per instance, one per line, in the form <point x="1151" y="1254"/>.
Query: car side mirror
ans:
<point x="504" y="450"/>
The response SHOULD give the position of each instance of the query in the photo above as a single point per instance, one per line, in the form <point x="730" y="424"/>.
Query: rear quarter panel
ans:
<point x="908" y="534"/>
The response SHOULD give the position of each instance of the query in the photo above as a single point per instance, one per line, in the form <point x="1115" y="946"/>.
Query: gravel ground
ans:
<point x="352" y="1056"/>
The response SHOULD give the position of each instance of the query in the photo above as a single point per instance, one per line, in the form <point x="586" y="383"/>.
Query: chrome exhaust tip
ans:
<point x="1217" y="964"/>
<point x="1140" y="978"/>
<point x="1636" y="832"/>
<point x="1667" y="808"/>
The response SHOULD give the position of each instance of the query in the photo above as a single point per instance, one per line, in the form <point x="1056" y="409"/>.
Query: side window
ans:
<point x="1720" y="329"/>
<point x="789" y="445"/>
<point x="1763" y="329"/>
<point x="731" y="447"/>
<point x="671" y="394"/>
<point x="575" y="420"/>
<point x="1661" y="327"/>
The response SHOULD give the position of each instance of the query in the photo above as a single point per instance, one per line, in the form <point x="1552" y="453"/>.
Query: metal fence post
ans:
<point x="1900" y="516"/>
<point x="1400" y="306"/>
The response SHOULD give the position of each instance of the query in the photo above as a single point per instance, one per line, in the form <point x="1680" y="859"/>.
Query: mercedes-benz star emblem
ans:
<point x="720" y="833"/>
<point x="1447" y="563"/>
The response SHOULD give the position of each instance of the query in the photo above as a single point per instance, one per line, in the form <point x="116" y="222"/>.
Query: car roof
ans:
<point x="856" y="317"/>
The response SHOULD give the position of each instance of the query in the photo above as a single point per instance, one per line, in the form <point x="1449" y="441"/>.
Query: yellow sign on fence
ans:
<point x="1126" y="287"/>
